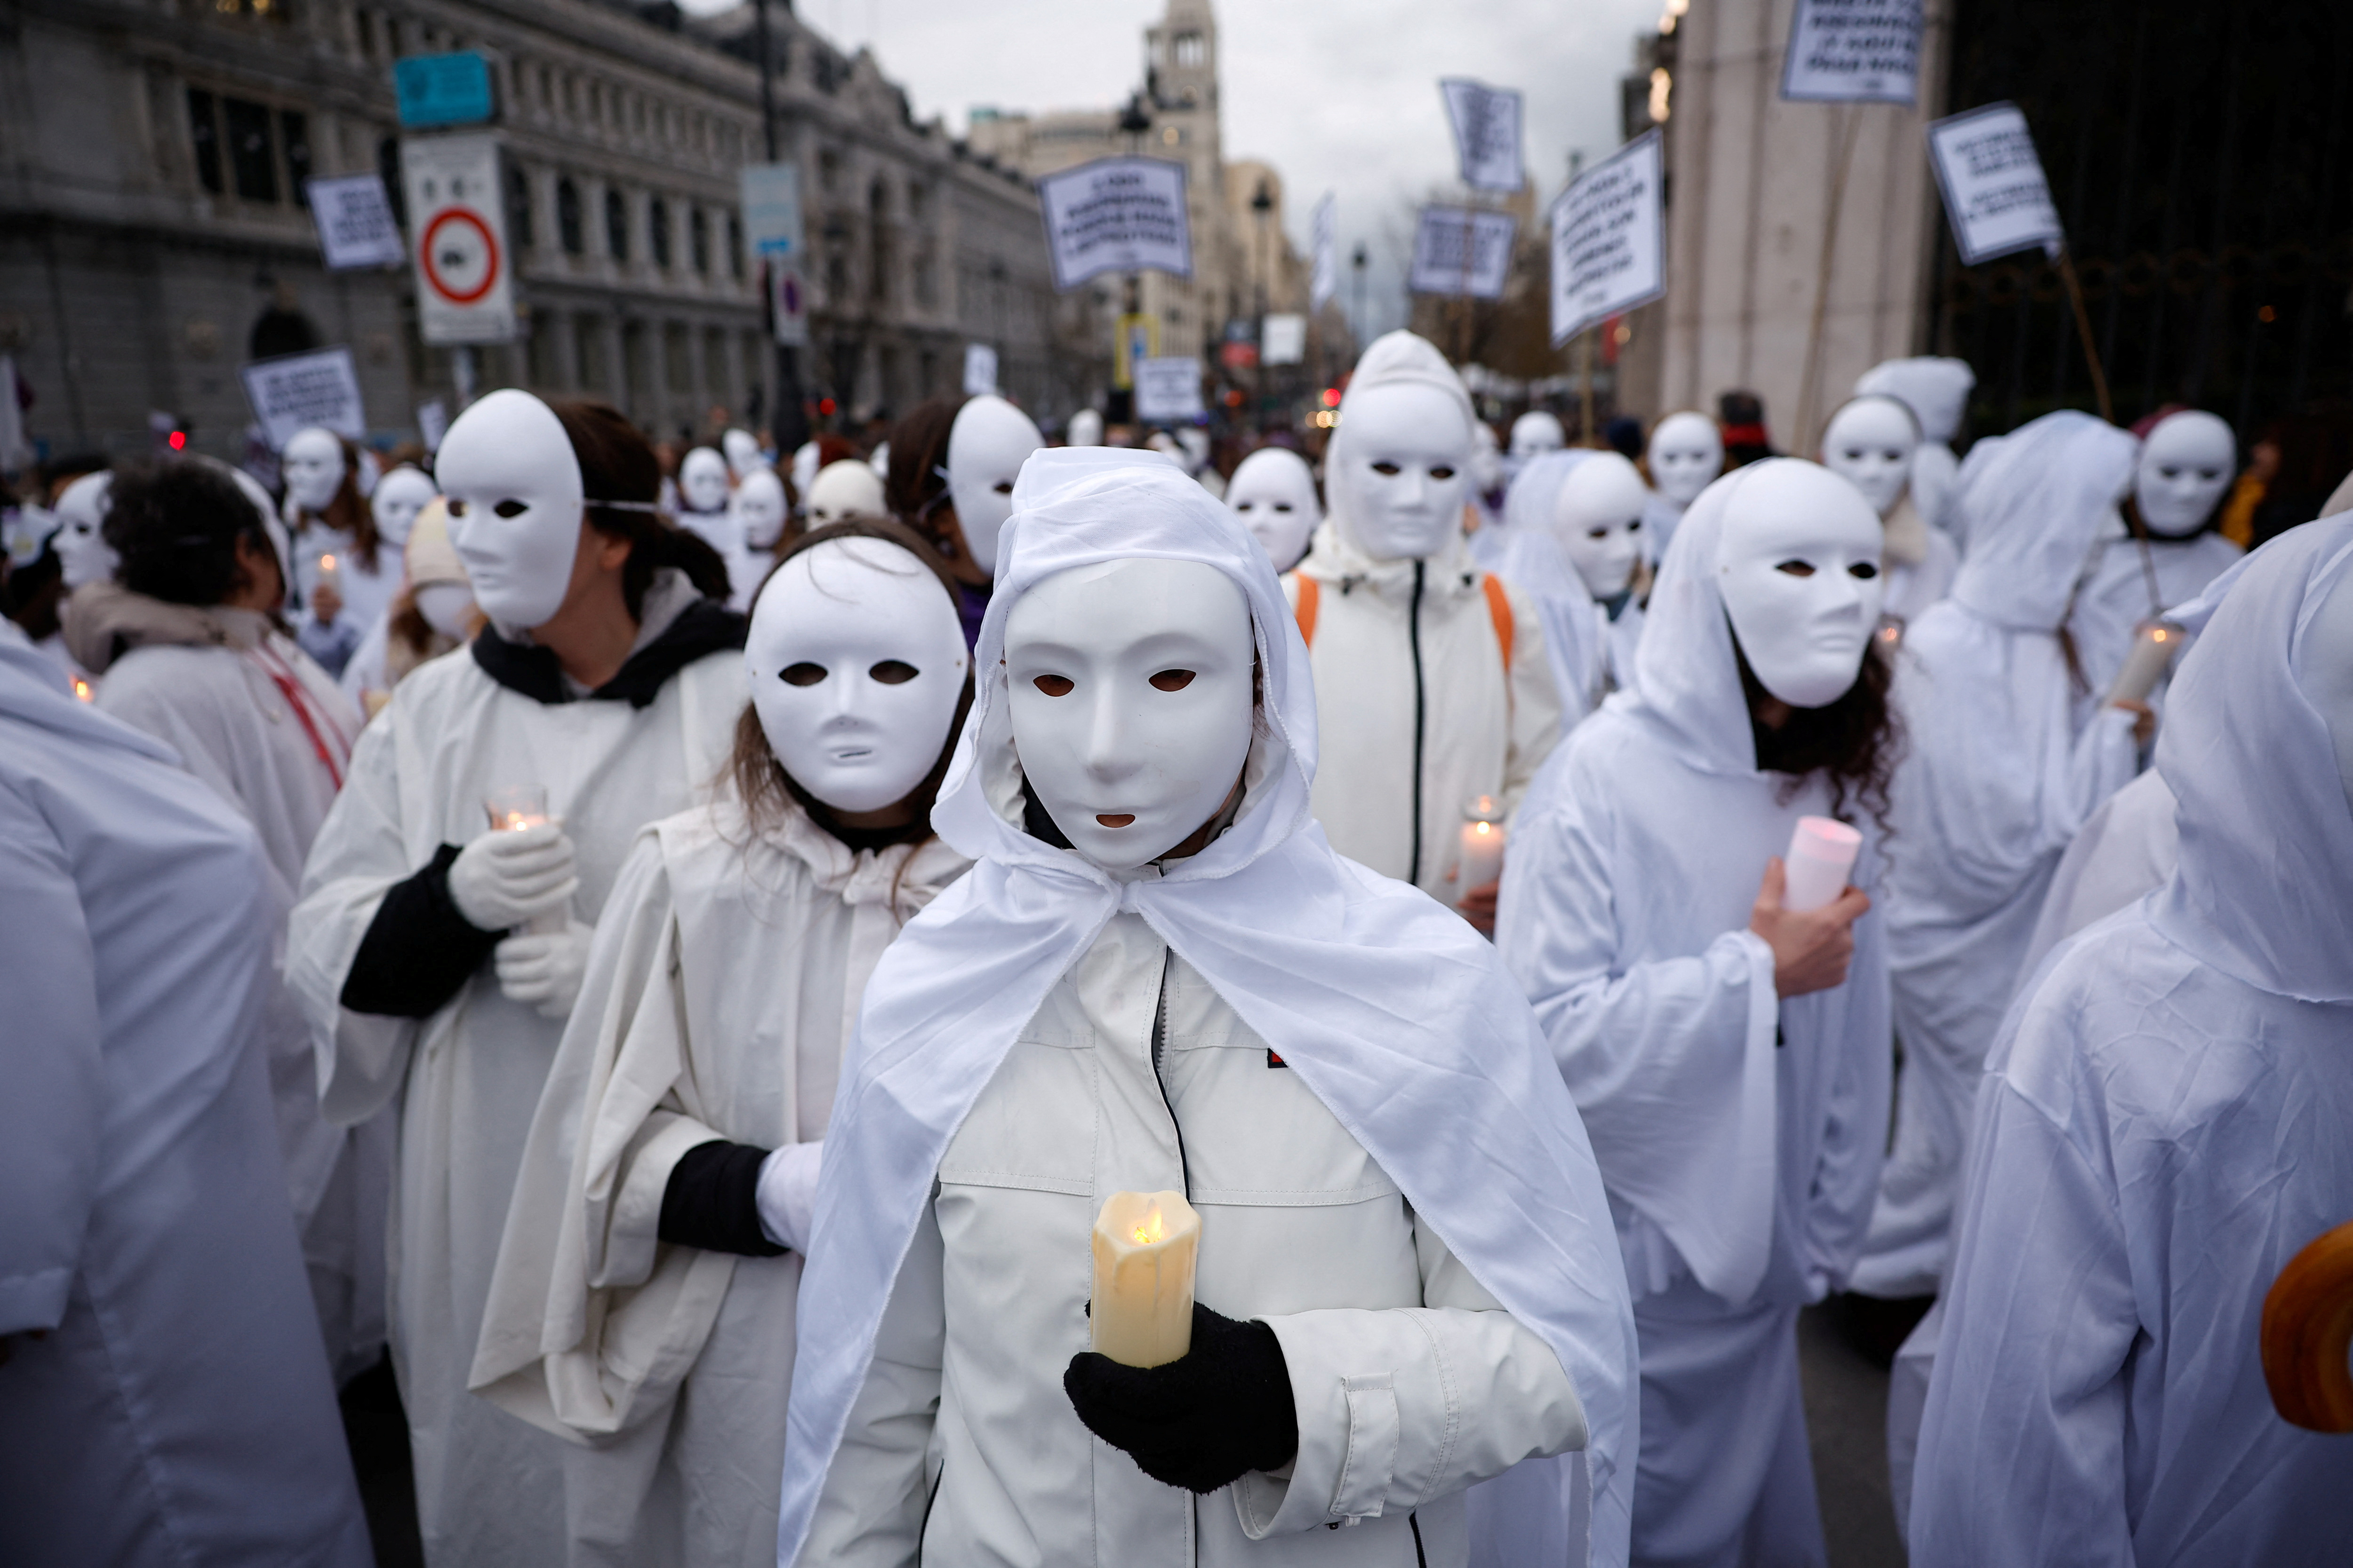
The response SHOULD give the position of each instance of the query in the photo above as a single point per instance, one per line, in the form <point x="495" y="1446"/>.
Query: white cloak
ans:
<point x="725" y="981"/>
<point x="2114" y="597"/>
<point x="467" y="1079"/>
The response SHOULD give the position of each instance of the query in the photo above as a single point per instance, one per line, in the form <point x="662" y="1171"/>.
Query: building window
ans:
<point x="617" y="227"/>
<point x="658" y="232"/>
<point x="678" y="357"/>
<point x="633" y="360"/>
<point x="1192" y="51"/>
<point x="205" y="132"/>
<point x="388" y="169"/>
<point x="295" y="134"/>
<point x="735" y="246"/>
<point x="714" y="362"/>
<point x="252" y="162"/>
<point x="521" y="230"/>
<point x="567" y="217"/>
<point x="588" y="354"/>
<point x="698" y="240"/>
<point x="540" y="352"/>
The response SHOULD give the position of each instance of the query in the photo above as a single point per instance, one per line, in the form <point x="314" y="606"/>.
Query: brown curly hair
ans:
<point x="1854" y="742"/>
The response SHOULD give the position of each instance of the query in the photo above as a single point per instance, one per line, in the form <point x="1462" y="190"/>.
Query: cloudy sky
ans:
<point x="1339" y="95"/>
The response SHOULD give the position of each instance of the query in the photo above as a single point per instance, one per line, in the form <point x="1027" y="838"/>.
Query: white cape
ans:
<point x="1392" y="1010"/>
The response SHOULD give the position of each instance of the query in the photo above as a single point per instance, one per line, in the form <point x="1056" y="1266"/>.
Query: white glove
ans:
<point x="788" y="1194"/>
<point x="505" y="877"/>
<point x="545" y="971"/>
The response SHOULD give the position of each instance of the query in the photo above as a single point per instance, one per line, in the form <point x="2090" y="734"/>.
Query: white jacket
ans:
<point x="1418" y="704"/>
<point x="1410" y="1381"/>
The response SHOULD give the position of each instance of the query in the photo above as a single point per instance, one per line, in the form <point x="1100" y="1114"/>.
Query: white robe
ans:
<point x="1922" y="562"/>
<point x="724" y="531"/>
<point x="366" y="593"/>
<point x="726" y="978"/>
<point x="1738" y="1133"/>
<point x="178" y="1409"/>
<point x="2114" y="597"/>
<point x="2164" y="1128"/>
<point x="1997" y="774"/>
<point x="467" y="1079"/>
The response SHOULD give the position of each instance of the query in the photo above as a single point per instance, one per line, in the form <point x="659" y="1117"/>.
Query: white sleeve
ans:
<point x="871" y="1510"/>
<point x="1399" y="1408"/>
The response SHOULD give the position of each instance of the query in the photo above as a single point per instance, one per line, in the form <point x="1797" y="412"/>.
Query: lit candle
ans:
<point x="516" y="807"/>
<point x="330" y="575"/>
<point x="1145" y="1245"/>
<point x="1821" y="857"/>
<point x="2152" y="652"/>
<point x="1483" y="842"/>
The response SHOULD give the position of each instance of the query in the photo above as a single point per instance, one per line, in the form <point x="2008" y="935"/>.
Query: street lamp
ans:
<point x="1133" y="121"/>
<point x="1358" y="261"/>
<point x="790" y="420"/>
<point x="1261" y="207"/>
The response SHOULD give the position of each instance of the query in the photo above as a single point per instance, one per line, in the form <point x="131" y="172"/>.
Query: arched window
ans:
<point x="567" y="216"/>
<point x="698" y="240"/>
<point x="521" y="229"/>
<point x="617" y="227"/>
<point x="658" y="232"/>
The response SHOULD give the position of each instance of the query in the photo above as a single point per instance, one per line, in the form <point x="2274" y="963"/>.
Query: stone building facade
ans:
<point x="153" y="235"/>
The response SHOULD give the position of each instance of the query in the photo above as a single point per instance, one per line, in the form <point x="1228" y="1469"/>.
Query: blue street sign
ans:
<point x="443" y="90"/>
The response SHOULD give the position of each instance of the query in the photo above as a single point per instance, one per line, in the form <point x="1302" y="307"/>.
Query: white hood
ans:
<point x="2034" y="500"/>
<point x="1394" y="1012"/>
<point x="1532" y="562"/>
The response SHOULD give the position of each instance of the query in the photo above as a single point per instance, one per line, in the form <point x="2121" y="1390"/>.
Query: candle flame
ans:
<point x="1153" y="1228"/>
<point x="2159" y="635"/>
<point x="1482" y="830"/>
<point x="326" y="563"/>
<point x="82" y="690"/>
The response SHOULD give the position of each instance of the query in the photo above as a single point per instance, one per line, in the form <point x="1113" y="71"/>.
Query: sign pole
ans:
<point x="1585" y="373"/>
<point x="2084" y="329"/>
<point x="1809" y="385"/>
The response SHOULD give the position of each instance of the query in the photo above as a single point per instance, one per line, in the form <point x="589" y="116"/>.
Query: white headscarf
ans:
<point x="1395" y="1012"/>
<point x="1532" y="561"/>
<point x="2266" y="834"/>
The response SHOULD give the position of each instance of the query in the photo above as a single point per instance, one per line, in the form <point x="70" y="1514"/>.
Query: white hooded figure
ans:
<point x="396" y="502"/>
<point x="742" y="451"/>
<point x="336" y="547"/>
<point x="83" y="554"/>
<point x="1273" y="492"/>
<point x="761" y="511"/>
<point x="1685" y="456"/>
<point x="643" y="1304"/>
<point x="1999" y="770"/>
<point x="843" y="491"/>
<point x="1431" y="675"/>
<point x="1159" y="976"/>
<point x="1085" y="429"/>
<point x="804" y="468"/>
<point x="2184" y="469"/>
<point x="437" y="959"/>
<point x="165" y="1399"/>
<point x="707" y="511"/>
<point x="1534" y="434"/>
<point x="1728" y="1055"/>
<point x="702" y="484"/>
<point x="2162" y="1128"/>
<point x="1870" y="443"/>
<point x="1936" y="391"/>
<point x="1537" y="559"/>
<point x="987" y="443"/>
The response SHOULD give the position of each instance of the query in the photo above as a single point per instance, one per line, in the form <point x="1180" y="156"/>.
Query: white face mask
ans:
<point x="447" y="607"/>
<point x="1486" y="460"/>
<point x="804" y="470"/>
<point x="1597" y="517"/>
<point x="1086" y="428"/>
<point x="396" y="502"/>
<point x="986" y="447"/>
<point x="703" y="480"/>
<point x="743" y="450"/>
<point x="844" y="490"/>
<point x="857" y="660"/>
<point x="2324" y="671"/>
<point x="312" y="464"/>
<point x="1686" y="453"/>
<point x="513" y="486"/>
<point x="1274" y="492"/>
<point x="760" y="503"/>
<point x="1131" y="701"/>
<point x="1535" y="434"/>
<point x="83" y="554"/>
<point x="2184" y="466"/>
<point x="1798" y="566"/>
<point x="1868" y="444"/>
<point x="1398" y="468"/>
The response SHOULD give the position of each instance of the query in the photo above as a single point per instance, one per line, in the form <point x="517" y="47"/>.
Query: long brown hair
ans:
<point x="616" y="464"/>
<point x="1853" y="742"/>
<point x="915" y="490"/>
<point x="349" y="513"/>
<point x="761" y="781"/>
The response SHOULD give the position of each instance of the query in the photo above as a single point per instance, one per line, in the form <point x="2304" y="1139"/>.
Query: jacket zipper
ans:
<point x="1413" y="638"/>
<point x="1184" y="1166"/>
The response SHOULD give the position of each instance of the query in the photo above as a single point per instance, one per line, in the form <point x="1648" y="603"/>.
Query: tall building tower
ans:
<point x="1181" y="94"/>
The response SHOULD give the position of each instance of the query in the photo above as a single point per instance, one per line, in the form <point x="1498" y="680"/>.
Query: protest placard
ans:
<point x="1852" y="51"/>
<point x="1995" y="196"/>
<point x="1116" y="214"/>
<point x="356" y="227"/>
<point x="1168" y="390"/>
<point x="294" y="392"/>
<point x="1486" y="122"/>
<point x="1462" y="251"/>
<point x="1608" y="238"/>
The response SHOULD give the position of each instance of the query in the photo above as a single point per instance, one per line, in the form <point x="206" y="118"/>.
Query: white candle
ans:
<point x="1481" y="859"/>
<point x="330" y="575"/>
<point x="1146" y="1244"/>
<point x="1821" y="854"/>
<point x="2152" y="653"/>
<point x="512" y="807"/>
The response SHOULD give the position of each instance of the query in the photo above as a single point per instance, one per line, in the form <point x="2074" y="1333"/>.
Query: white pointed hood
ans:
<point x="1395" y="1012"/>
<point x="2033" y="502"/>
<point x="1532" y="560"/>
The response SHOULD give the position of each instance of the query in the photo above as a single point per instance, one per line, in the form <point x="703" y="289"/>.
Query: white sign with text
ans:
<point x="1462" y="251"/>
<point x="1853" y="51"/>
<point x="294" y="392"/>
<point x="1168" y="390"/>
<point x="1324" y="227"/>
<point x="1608" y="238"/>
<point x="465" y="277"/>
<point x="1995" y="196"/>
<point x="1116" y="214"/>
<point x="355" y="222"/>
<point x="1486" y="122"/>
<point x="979" y="370"/>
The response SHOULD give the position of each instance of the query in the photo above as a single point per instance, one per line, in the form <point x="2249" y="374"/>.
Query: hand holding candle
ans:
<point x="1821" y="857"/>
<point x="2153" y="648"/>
<point x="512" y="809"/>
<point x="1483" y="842"/>
<point x="1146" y="1244"/>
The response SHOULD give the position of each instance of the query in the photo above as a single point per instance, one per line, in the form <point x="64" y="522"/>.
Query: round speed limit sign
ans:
<point x="459" y="256"/>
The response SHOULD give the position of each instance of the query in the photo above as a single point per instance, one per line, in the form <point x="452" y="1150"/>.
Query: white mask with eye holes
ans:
<point x="1535" y="433"/>
<point x="986" y="447"/>
<point x="743" y="450"/>
<point x="1597" y="517"/>
<point x="2187" y="461"/>
<point x="513" y="488"/>
<point x="312" y="464"/>
<point x="1798" y="566"/>
<point x="83" y="554"/>
<point x="1131" y="701"/>
<point x="857" y="660"/>
<point x="1274" y="492"/>
<point x="1685" y="454"/>
<point x="1869" y="443"/>
<point x="843" y="491"/>
<point x="760" y="503"/>
<point x="1398" y="471"/>
<point x="396" y="499"/>
<point x="702" y="480"/>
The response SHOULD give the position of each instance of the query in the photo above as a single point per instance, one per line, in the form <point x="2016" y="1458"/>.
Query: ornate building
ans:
<point x="153" y="234"/>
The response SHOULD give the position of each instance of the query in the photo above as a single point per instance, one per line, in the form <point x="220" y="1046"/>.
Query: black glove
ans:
<point x="1201" y="1421"/>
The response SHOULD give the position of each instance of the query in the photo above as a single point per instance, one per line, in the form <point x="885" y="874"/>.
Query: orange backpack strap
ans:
<point x="1499" y="610"/>
<point x="1311" y="596"/>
